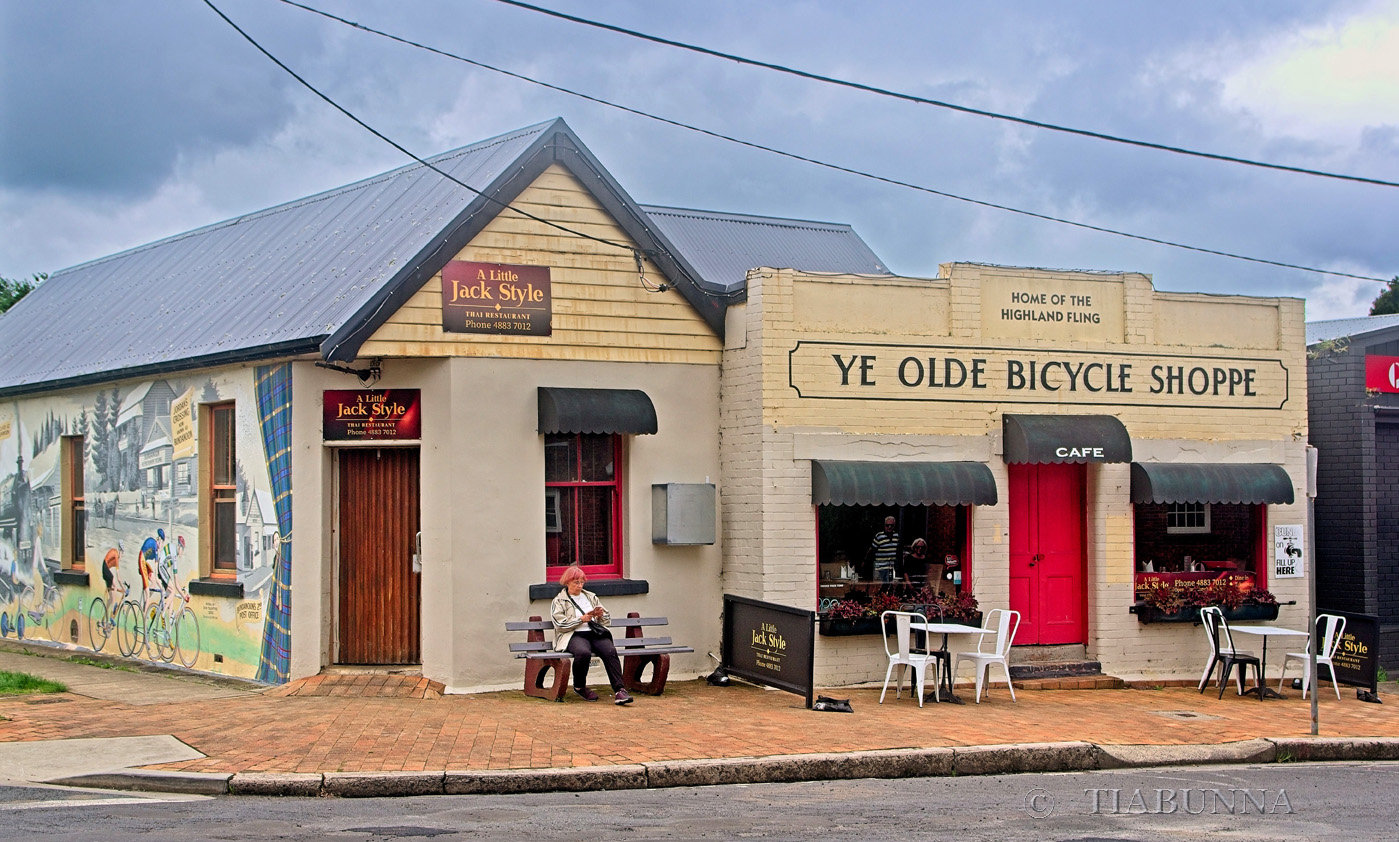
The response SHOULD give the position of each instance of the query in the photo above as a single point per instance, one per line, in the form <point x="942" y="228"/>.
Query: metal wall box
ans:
<point x="682" y="513"/>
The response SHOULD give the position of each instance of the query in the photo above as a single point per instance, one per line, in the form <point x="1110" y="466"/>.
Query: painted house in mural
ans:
<point x="453" y="400"/>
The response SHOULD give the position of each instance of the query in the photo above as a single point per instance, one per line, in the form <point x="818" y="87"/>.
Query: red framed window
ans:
<point x="583" y="503"/>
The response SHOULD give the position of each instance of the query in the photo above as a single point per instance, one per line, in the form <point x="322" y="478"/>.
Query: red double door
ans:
<point x="1046" y="552"/>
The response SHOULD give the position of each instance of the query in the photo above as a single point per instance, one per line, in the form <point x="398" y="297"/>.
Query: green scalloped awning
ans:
<point x="902" y="484"/>
<point x="1170" y="482"/>
<point x="625" y="411"/>
<point x="1046" y="439"/>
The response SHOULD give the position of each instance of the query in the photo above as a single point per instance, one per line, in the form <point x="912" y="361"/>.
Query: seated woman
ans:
<point x="580" y="628"/>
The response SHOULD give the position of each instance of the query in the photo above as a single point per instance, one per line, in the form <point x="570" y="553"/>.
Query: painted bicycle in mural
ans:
<point x="27" y="605"/>
<point x="161" y="624"/>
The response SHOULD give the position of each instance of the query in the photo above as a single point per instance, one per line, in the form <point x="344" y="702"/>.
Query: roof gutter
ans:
<point x="296" y="347"/>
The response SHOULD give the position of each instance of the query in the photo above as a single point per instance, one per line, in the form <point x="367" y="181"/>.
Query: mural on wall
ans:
<point x="111" y="479"/>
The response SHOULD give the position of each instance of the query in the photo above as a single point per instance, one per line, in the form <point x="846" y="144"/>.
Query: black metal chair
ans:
<point x="1226" y="655"/>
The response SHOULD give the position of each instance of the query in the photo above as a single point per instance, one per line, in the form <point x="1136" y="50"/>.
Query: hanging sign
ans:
<point x="496" y="298"/>
<point x="182" y="425"/>
<point x="1382" y="373"/>
<point x="371" y="415"/>
<point x="1287" y="552"/>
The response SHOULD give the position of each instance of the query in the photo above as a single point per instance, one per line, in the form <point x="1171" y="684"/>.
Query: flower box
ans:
<point x="835" y="627"/>
<point x="1238" y="614"/>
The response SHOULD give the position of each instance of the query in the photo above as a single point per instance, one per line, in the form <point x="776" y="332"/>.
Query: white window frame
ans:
<point x="1175" y="512"/>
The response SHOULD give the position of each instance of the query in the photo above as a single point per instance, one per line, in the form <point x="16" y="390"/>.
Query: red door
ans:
<point x="1046" y="552"/>
<point x="378" y="525"/>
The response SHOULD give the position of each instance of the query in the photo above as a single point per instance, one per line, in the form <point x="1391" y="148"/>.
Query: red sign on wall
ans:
<point x="496" y="298"/>
<point x="1382" y="373"/>
<point x="371" y="415"/>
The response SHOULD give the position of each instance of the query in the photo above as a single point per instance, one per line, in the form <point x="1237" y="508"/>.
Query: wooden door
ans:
<point x="1046" y="552"/>
<point x="378" y="526"/>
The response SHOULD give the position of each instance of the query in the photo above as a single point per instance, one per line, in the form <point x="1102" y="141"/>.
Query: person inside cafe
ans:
<point x="915" y="566"/>
<point x="580" y="628"/>
<point x="884" y="550"/>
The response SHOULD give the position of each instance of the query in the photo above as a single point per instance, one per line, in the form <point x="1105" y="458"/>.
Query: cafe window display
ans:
<point x="877" y="558"/>
<point x="1220" y="559"/>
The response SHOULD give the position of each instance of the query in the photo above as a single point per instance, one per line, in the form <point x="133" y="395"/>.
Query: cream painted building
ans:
<point x="447" y="403"/>
<point x="1054" y="388"/>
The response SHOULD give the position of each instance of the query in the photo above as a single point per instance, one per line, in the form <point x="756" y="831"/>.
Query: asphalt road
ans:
<point x="1303" y="801"/>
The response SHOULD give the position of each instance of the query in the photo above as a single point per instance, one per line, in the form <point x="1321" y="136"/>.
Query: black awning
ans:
<point x="595" y="411"/>
<point x="1163" y="482"/>
<point x="1065" y="438"/>
<point x="902" y="484"/>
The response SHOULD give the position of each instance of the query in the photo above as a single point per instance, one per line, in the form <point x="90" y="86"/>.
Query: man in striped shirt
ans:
<point x="885" y="549"/>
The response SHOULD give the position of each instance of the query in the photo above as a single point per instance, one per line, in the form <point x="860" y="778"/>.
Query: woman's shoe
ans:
<point x="586" y="693"/>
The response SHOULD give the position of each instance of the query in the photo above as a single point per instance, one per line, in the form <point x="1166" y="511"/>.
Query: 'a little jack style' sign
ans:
<point x="496" y="298"/>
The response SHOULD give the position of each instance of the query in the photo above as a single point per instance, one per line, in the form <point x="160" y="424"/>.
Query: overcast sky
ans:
<point x="124" y="121"/>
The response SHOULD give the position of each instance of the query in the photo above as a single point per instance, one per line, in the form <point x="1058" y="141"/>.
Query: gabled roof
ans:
<point x="1337" y="328"/>
<point x="319" y="275"/>
<point x="724" y="246"/>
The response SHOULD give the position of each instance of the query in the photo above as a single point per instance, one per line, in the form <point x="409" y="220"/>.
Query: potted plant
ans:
<point x="952" y="608"/>
<point x="849" y="616"/>
<point x="1178" y="601"/>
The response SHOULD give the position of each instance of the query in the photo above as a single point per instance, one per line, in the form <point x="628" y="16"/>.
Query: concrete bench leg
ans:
<point x="536" y="670"/>
<point x="632" y="665"/>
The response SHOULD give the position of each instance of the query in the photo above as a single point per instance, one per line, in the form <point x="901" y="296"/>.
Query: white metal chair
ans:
<point x="1002" y="624"/>
<point x="1328" y="633"/>
<point x="902" y="653"/>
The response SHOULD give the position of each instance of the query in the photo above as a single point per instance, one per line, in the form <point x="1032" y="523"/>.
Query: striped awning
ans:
<point x="901" y="484"/>
<point x="1161" y="482"/>
<point x="626" y="411"/>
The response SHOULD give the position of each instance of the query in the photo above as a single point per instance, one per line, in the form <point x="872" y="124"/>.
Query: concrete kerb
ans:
<point x="892" y="763"/>
<point x="141" y="780"/>
<point x="517" y="781"/>
<point x="1299" y="749"/>
<point x="1132" y="756"/>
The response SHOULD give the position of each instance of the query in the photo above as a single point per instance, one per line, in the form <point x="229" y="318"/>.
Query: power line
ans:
<point x="951" y="106"/>
<point x="428" y="164"/>
<point x="826" y="165"/>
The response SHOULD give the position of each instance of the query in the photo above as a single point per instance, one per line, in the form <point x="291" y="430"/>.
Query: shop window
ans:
<point x="1199" y="541"/>
<point x="221" y="488"/>
<point x="583" y="503"/>
<point x="1187" y="518"/>
<point x="74" y="513"/>
<point x="847" y="548"/>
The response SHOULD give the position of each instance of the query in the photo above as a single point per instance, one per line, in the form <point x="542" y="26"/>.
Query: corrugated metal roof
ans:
<point x="280" y="279"/>
<point x="1337" y="328"/>
<point x="724" y="246"/>
<point x="320" y="274"/>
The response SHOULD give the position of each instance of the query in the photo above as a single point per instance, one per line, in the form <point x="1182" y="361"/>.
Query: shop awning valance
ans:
<point x="901" y="484"/>
<point x="627" y="411"/>
<point x="1161" y="482"/>
<point x="1065" y="438"/>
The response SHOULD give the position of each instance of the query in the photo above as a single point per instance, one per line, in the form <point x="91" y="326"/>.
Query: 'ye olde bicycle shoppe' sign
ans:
<point x="873" y="371"/>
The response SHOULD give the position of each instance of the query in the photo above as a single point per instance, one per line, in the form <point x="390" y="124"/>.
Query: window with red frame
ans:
<point x="583" y="503"/>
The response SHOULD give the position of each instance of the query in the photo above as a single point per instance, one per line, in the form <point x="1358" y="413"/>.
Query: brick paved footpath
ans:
<point x="391" y="723"/>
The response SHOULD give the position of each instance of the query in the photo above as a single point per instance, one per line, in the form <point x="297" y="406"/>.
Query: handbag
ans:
<point x="598" y="629"/>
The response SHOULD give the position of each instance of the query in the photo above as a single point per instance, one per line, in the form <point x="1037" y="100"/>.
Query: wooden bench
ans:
<point x="636" y="650"/>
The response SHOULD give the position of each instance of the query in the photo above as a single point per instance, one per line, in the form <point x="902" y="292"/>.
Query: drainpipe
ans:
<point x="1311" y="582"/>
